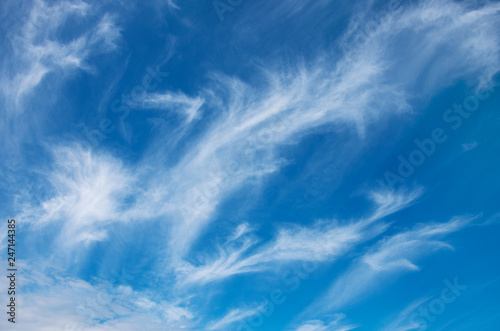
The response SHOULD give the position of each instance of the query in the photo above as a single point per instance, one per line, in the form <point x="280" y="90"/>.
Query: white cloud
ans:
<point x="453" y="41"/>
<point x="318" y="325"/>
<point x="172" y="4"/>
<point x="322" y="242"/>
<point x="178" y="102"/>
<point x="389" y="257"/>
<point x="402" y="321"/>
<point x="241" y="146"/>
<point x="234" y="316"/>
<point x="469" y="146"/>
<point x="242" y="143"/>
<point x="71" y="304"/>
<point x="38" y="58"/>
<point x="37" y="49"/>
<point x="88" y="192"/>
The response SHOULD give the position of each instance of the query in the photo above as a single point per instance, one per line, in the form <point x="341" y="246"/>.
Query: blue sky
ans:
<point x="252" y="165"/>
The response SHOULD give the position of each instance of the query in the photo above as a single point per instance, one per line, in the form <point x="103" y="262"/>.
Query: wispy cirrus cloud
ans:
<point x="85" y="192"/>
<point x="402" y="321"/>
<point x="338" y="324"/>
<point x="36" y="47"/>
<point x="37" y="56"/>
<point x="389" y="257"/>
<point x="241" y="143"/>
<point x="233" y="317"/>
<point x="439" y="31"/>
<point x="239" y="146"/>
<point x="177" y="102"/>
<point x="71" y="304"/>
<point x="321" y="242"/>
